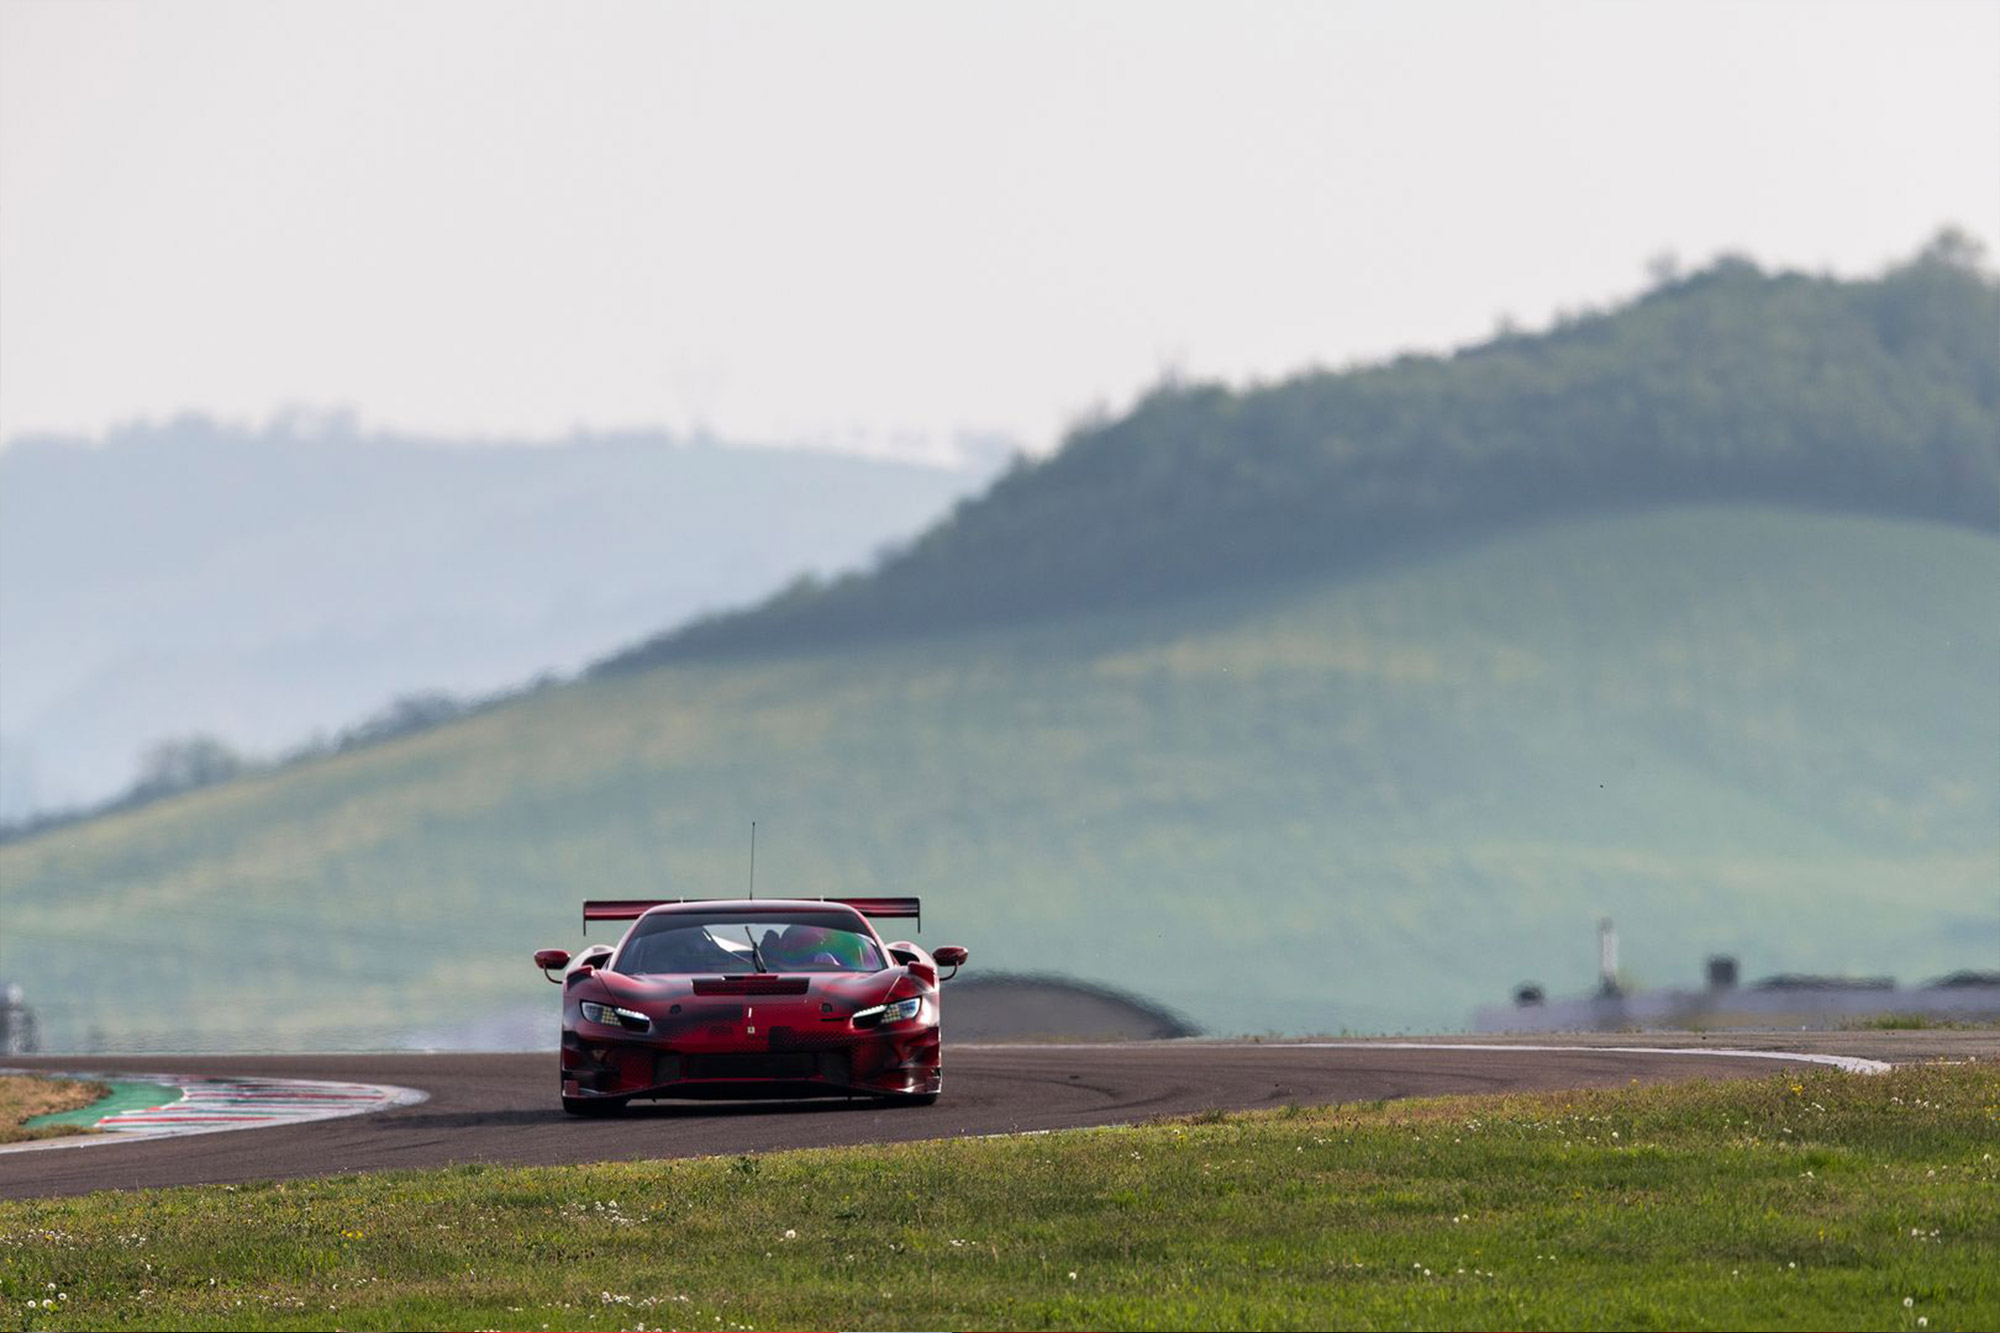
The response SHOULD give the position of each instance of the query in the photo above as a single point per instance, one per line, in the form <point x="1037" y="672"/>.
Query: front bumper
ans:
<point x="873" y="1064"/>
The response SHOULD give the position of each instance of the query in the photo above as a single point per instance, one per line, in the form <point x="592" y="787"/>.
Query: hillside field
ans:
<point x="1369" y="801"/>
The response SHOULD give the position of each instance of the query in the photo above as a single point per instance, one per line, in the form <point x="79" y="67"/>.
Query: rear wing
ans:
<point x="620" y="909"/>
<point x="631" y="909"/>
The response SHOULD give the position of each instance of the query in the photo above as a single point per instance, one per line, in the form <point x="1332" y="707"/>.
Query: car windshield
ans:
<point x="679" y="943"/>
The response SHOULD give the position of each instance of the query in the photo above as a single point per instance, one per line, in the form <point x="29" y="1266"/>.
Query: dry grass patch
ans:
<point x="25" y="1096"/>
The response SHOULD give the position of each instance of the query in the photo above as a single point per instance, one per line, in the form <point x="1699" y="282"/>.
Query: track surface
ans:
<point x="502" y="1108"/>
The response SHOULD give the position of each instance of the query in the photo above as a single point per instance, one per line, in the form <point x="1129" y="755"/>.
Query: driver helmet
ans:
<point x="802" y="943"/>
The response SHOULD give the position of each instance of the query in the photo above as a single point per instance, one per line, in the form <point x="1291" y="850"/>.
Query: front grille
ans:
<point x="751" y="985"/>
<point x="754" y="1065"/>
<point x="826" y="1037"/>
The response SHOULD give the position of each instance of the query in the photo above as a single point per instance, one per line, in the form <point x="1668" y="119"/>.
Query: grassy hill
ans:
<point x="1731" y="384"/>
<point x="1368" y="800"/>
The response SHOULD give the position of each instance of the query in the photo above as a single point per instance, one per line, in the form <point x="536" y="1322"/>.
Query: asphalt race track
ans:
<point x="502" y="1108"/>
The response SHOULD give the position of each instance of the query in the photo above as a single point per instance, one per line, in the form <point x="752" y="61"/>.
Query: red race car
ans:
<point x="738" y="998"/>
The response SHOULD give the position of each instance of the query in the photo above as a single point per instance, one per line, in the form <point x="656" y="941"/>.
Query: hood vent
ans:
<point x="751" y="985"/>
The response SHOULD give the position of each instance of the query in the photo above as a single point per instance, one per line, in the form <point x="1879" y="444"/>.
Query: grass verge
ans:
<point x="25" y="1096"/>
<point x="1816" y="1201"/>
<point x="1900" y="1022"/>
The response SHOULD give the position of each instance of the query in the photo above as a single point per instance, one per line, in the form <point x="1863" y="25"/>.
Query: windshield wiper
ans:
<point x="755" y="953"/>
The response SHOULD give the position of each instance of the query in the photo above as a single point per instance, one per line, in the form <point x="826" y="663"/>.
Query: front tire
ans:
<point x="593" y="1106"/>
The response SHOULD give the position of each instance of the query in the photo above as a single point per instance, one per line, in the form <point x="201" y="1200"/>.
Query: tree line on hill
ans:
<point x="1726" y="384"/>
<point x="180" y="764"/>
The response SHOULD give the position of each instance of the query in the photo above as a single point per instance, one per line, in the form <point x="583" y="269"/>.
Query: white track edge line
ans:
<point x="1853" y="1064"/>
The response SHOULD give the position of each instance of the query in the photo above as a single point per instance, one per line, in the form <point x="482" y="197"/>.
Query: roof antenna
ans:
<point x="753" y="860"/>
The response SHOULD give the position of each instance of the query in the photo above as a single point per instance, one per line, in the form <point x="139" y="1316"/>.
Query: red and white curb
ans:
<point x="213" y="1105"/>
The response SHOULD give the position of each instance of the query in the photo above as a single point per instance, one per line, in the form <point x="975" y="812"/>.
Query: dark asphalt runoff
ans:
<point x="503" y="1109"/>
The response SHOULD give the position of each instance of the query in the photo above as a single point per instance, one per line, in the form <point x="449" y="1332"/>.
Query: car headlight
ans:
<point x="611" y="1015"/>
<point x="898" y="1011"/>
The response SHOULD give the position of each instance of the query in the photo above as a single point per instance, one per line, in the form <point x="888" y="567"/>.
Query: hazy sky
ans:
<point x="879" y="224"/>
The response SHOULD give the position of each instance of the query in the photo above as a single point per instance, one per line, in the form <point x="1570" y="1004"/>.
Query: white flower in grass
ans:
<point x="790" y="1234"/>
<point x="1909" y="1301"/>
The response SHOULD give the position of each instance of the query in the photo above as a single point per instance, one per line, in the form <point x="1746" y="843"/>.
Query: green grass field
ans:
<point x="1369" y="803"/>
<point x="1822" y="1201"/>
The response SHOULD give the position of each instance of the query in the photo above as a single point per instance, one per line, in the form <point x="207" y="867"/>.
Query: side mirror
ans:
<point x="950" y="955"/>
<point x="551" y="960"/>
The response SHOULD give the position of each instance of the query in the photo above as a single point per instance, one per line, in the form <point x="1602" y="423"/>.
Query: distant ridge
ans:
<point x="190" y="578"/>
<point x="1730" y="384"/>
